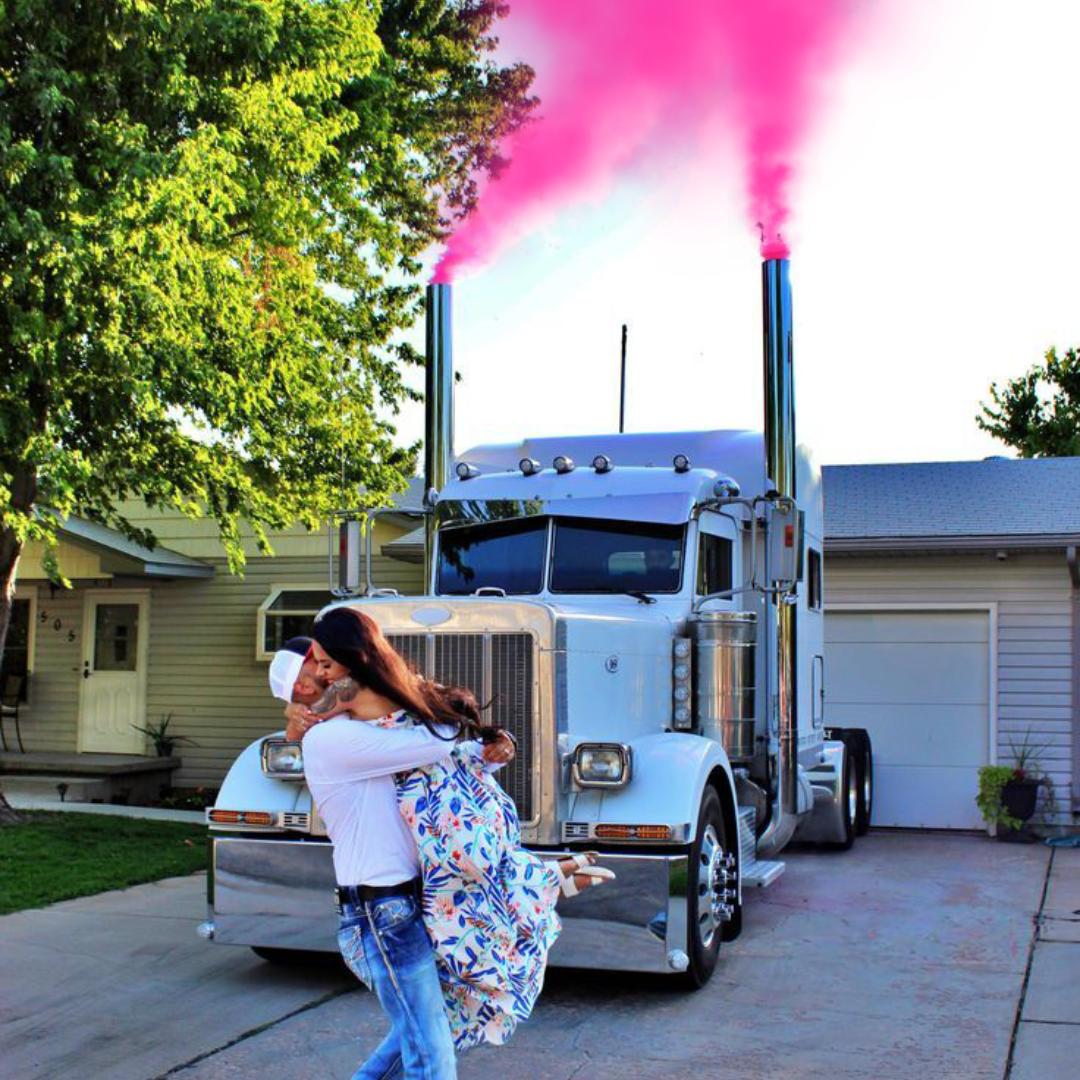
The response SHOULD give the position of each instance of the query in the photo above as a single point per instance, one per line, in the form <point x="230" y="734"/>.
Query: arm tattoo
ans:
<point x="343" y="689"/>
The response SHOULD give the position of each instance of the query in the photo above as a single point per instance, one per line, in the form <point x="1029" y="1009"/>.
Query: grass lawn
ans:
<point x="54" y="856"/>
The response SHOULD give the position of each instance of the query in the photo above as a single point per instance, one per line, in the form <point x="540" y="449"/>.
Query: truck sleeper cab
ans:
<point x="609" y="617"/>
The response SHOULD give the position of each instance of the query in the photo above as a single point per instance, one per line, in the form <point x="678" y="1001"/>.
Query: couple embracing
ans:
<point x="443" y="913"/>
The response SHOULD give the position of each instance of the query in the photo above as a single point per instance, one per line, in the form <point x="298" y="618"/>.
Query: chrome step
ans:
<point x="763" y="873"/>
<point x="756" y="873"/>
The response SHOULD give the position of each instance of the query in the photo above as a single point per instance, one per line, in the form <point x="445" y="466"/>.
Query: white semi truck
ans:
<point x="644" y="612"/>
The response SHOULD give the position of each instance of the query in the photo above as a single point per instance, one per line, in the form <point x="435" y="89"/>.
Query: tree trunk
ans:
<point x="23" y="495"/>
<point x="10" y="550"/>
<point x="8" y="814"/>
<point x="23" y="498"/>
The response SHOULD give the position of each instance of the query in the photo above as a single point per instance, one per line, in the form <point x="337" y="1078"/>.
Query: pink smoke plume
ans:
<point x="631" y="80"/>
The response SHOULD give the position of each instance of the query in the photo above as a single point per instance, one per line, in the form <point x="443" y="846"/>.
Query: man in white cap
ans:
<point x="293" y="679"/>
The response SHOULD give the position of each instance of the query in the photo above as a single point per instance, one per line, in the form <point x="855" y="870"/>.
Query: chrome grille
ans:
<point x="497" y="668"/>
<point x="413" y="647"/>
<point x="511" y="707"/>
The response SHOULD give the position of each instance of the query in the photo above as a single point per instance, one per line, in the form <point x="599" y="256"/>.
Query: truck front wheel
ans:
<point x="710" y="872"/>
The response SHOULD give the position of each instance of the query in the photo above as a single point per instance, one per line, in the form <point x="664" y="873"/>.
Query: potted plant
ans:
<point x="164" y="743"/>
<point x="1008" y="794"/>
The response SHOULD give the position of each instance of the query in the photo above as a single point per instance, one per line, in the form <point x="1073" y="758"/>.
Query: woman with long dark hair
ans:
<point x="443" y="913"/>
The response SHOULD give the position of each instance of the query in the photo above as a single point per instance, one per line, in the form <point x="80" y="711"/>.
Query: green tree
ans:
<point x="211" y="218"/>
<point x="1038" y="414"/>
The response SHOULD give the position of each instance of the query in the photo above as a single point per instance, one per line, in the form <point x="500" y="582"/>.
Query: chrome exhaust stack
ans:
<point x="438" y="412"/>
<point x="780" y="470"/>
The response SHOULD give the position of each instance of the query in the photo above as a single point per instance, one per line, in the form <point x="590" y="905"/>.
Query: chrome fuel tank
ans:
<point x="724" y="646"/>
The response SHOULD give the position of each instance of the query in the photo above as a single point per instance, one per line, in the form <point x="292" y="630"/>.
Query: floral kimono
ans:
<point x="488" y="904"/>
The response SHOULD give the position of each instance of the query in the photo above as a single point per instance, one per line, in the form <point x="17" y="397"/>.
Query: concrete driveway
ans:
<point x="906" y="957"/>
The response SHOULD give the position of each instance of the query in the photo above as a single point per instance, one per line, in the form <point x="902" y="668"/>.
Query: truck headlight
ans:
<point x="282" y="760"/>
<point x="601" y="765"/>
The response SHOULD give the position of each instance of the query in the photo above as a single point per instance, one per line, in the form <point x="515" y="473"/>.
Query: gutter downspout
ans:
<point x="1074" y="578"/>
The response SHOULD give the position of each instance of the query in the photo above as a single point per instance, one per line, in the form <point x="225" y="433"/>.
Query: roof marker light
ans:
<point x="529" y="466"/>
<point x="602" y="463"/>
<point x="563" y="464"/>
<point x="465" y="471"/>
<point x="681" y="463"/>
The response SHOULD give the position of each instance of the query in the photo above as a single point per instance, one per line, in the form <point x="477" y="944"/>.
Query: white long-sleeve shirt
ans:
<point x="350" y="766"/>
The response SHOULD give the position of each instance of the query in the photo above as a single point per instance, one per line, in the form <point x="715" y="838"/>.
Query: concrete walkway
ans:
<point x="911" y="956"/>
<point x="1047" y="1045"/>
<point x="147" y="813"/>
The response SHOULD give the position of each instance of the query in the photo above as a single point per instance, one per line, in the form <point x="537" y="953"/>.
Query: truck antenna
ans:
<point x="622" y="385"/>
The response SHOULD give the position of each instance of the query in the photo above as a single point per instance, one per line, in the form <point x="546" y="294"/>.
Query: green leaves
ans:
<point x="210" y="215"/>
<point x="1038" y="413"/>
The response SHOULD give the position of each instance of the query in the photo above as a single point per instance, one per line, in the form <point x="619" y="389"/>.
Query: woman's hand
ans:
<point x="500" y="751"/>
<point x="299" y="720"/>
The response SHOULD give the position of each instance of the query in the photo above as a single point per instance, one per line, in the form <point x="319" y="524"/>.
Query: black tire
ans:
<point x="864" y="766"/>
<point x="705" y="931"/>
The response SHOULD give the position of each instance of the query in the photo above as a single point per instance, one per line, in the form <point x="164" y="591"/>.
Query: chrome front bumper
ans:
<point x="280" y="894"/>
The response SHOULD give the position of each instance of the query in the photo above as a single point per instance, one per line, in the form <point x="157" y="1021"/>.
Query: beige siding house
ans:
<point x="169" y="632"/>
<point x="952" y="594"/>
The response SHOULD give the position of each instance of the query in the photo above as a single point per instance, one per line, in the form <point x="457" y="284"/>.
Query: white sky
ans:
<point x="934" y="243"/>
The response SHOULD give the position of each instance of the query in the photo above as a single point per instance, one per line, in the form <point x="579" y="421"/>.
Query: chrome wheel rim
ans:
<point x="868" y="791"/>
<point x="710" y="886"/>
<point x="852" y="795"/>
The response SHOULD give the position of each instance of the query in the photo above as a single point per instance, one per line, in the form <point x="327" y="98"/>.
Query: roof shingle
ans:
<point x="995" y="498"/>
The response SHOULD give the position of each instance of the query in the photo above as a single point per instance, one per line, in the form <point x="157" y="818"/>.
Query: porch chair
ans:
<point x="9" y="706"/>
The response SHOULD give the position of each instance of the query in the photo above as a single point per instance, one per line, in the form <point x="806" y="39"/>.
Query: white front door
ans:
<point x="113" y="673"/>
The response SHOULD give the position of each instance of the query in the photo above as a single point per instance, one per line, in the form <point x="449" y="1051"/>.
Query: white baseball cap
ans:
<point x="284" y="671"/>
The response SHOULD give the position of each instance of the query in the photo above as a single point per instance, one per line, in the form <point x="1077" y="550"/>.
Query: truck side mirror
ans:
<point x="787" y="541"/>
<point x="350" y="538"/>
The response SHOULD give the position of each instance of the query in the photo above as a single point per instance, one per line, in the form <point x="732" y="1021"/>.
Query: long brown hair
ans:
<point x="355" y="641"/>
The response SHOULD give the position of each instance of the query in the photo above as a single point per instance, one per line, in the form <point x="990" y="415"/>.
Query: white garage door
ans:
<point x="919" y="682"/>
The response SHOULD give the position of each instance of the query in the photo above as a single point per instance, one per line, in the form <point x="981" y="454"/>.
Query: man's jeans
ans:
<point x="386" y="946"/>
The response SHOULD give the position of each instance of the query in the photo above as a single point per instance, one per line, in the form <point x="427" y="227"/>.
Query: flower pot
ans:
<point x="1019" y="798"/>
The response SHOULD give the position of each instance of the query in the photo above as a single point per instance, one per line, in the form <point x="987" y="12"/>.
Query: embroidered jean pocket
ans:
<point x="351" y="948"/>
<point x="393" y="912"/>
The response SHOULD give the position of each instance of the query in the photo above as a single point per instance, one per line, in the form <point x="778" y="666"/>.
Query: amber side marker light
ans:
<point x="242" y="817"/>
<point x="632" y="832"/>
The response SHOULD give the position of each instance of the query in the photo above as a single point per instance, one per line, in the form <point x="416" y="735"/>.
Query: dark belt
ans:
<point x="362" y="894"/>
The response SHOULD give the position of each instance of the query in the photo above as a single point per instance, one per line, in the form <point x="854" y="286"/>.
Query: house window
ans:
<point x="18" y="645"/>
<point x="714" y="565"/>
<point x="287" y="613"/>
<point x="814" y="583"/>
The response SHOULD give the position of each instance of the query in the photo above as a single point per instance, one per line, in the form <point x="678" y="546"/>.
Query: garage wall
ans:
<point x="1034" y="633"/>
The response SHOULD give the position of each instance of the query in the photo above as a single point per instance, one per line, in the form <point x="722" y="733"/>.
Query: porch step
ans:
<point x="78" y="788"/>
<point x="756" y="873"/>
<point x="49" y="764"/>
<point x="129" y="778"/>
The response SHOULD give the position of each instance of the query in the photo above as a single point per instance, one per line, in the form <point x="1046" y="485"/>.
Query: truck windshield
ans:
<point x="507" y="555"/>
<point x="616" y="556"/>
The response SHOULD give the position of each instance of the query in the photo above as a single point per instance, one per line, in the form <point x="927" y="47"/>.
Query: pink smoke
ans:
<point x="625" y="81"/>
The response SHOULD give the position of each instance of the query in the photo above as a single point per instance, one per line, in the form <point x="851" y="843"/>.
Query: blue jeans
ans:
<point x="387" y="948"/>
